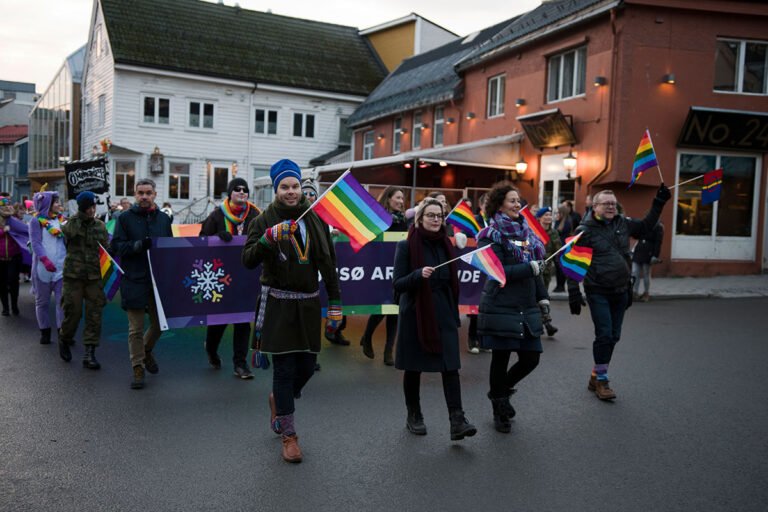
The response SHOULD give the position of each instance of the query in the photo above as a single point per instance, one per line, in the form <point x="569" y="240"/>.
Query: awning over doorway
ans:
<point x="548" y="129"/>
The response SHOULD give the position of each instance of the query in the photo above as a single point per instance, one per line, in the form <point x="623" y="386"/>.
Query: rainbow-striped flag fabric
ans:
<point x="462" y="218"/>
<point x="347" y="206"/>
<point x="645" y="158"/>
<point x="111" y="273"/>
<point x="485" y="260"/>
<point x="713" y="185"/>
<point x="575" y="259"/>
<point x="535" y="226"/>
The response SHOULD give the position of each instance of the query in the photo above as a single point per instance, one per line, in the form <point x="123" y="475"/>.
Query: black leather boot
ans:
<point x="367" y="345"/>
<point x="388" y="356"/>
<point x="460" y="427"/>
<point x="89" y="358"/>
<point x="503" y="412"/>
<point x="64" y="351"/>
<point x="415" y="421"/>
<point x="45" y="336"/>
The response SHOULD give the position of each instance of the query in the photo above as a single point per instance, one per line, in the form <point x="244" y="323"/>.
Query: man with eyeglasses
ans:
<point x="607" y="283"/>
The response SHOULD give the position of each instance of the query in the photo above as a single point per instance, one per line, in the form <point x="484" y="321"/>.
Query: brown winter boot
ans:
<point x="603" y="390"/>
<point x="591" y="385"/>
<point x="275" y="426"/>
<point x="291" y="450"/>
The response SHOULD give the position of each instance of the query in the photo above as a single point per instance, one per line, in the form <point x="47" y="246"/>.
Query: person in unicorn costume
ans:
<point x="48" y="252"/>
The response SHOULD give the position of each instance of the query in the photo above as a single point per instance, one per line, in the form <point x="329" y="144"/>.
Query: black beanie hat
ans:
<point x="237" y="182"/>
<point x="85" y="200"/>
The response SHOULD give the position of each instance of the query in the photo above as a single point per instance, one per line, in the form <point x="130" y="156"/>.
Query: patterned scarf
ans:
<point x="46" y="223"/>
<point x="234" y="215"/>
<point x="515" y="236"/>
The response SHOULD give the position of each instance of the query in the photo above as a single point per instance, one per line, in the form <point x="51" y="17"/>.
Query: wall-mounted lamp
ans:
<point x="424" y="126"/>
<point x="669" y="78"/>
<point x="443" y="163"/>
<point x="381" y="136"/>
<point x="423" y="164"/>
<point x="569" y="162"/>
<point x="234" y="169"/>
<point x="470" y="115"/>
<point x="600" y="80"/>
<point x="519" y="102"/>
<point x="403" y="130"/>
<point x="521" y="166"/>
<point x="407" y="165"/>
<point x="450" y="120"/>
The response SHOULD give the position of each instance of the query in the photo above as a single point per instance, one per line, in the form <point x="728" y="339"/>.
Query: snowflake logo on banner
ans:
<point x="207" y="280"/>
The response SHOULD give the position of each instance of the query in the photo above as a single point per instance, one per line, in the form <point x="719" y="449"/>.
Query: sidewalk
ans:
<point x="721" y="287"/>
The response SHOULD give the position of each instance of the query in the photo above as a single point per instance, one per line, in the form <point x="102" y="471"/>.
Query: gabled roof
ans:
<point x="217" y="40"/>
<point x="425" y="79"/>
<point x="13" y="132"/>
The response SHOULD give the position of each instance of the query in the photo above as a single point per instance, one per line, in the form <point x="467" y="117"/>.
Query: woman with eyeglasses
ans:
<point x="510" y="318"/>
<point x="428" y="330"/>
<point x="393" y="200"/>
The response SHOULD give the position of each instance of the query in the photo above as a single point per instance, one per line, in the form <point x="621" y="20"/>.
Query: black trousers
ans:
<point x="451" y="389"/>
<point x="503" y="380"/>
<point x="240" y="336"/>
<point x="290" y="374"/>
<point x="9" y="281"/>
<point x="391" y="326"/>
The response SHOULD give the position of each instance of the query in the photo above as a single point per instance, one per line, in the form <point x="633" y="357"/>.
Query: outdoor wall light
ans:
<point x="470" y="115"/>
<point x="600" y="80"/>
<point x="424" y="126"/>
<point x="519" y="102"/>
<point x="669" y="78"/>
<point x="403" y="130"/>
<point x="407" y="165"/>
<point x="521" y="166"/>
<point x="423" y="164"/>
<point x="381" y="136"/>
<point x="443" y="163"/>
<point x="450" y="120"/>
<point x="569" y="162"/>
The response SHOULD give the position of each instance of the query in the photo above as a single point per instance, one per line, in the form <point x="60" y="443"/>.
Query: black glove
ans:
<point x="146" y="243"/>
<point x="663" y="194"/>
<point x="225" y="235"/>
<point x="575" y="301"/>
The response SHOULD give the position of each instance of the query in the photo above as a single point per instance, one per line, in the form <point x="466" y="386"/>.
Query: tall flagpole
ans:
<point x="658" y="167"/>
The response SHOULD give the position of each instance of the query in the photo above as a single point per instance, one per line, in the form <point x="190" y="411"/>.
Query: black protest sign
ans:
<point x="86" y="175"/>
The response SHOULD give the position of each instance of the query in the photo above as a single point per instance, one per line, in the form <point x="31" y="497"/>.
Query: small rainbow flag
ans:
<point x="710" y="191"/>
<point x="485" y="260"/>
<point x="111" y="273"/>
<point x="645" y="158"/>
<point x="575" y="260"/>
<point x="535" y="225"/>
<point x="462" y="218"/>
<point x="346" y="205"/>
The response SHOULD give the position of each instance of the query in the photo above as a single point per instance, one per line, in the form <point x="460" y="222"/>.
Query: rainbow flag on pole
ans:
<point x="462" y="218"/>
<point x="347" y="206"/>
<point x="575" y="260"/>
<point x="485" y="260"/>
<point x="645" y="158"/>
<point x="111" y="273"/>
<point x="535" y="225"/>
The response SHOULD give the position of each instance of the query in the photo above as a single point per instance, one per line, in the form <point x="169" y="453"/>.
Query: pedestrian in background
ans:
<point x="428" y="329"/>
<point x="231" y="218"/>
<point x="645" y="254"/>
<point x="10" y="255"/>
<point x="564" y="228"/>
<point x="545" y="218"/>
<point x="134" y="230"/>
<point x="82" y="280"/>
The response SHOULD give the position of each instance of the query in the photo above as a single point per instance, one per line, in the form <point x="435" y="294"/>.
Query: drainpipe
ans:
<point x="414" y="166"/>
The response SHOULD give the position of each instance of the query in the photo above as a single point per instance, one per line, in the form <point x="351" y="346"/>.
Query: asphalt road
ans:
<point x="687" y="432"/>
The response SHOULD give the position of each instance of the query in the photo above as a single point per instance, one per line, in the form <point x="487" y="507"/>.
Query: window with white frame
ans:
<point x="741" y="66"/>
<point x="102" y="111"/>
<point x="98" y="43"/>
<point x="345" y="132"/>
<point x="397" y="135"/>
<point x="303" y="125"/>
<point x="178" y="180"/>
<point x="496" y="96"/>
<point x="201" y="115"/>
<point x="368" y="145"/>
<point x="265" y="121"/>
<point x="566" y="74"/>
<point x="156" y="110"/>
<point x="418" y="125"/>
<point x="87" y="117"/>
<point x="2" y="153"/>
<point x="125" y="178"/>
<point x="439" y="125"/>
<point x="14" y="154"/>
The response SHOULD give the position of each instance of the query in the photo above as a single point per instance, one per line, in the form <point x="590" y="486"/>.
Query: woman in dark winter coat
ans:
<point x="646" y="253"/>
<point x="510" y="318"/>
<point x="230" y="219"/>
<point x="393" y="200"/>
<point x="428" y="335"/>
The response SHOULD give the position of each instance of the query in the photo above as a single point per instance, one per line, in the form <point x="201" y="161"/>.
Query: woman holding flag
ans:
<point x="292" y="244"/>
<point x="510" y="318"/>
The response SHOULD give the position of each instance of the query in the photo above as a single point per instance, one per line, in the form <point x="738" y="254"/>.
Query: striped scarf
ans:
<point x="515" y="236"/>
<point x="234" y="215"/>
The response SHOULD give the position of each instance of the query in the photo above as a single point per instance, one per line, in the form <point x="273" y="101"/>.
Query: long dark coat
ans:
<point x="135" y="225"/>
<point x="409" y="355"/>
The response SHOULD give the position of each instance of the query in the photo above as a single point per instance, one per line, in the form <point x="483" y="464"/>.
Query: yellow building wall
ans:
<point x="394" y="44"/>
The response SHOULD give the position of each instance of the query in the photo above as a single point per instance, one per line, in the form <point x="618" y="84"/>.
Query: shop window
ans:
<point x="125" y="178"/>
<point x="741" y="66"/>
<point x="178" y="181"/>
<point x="368" y="145"/>
<point x="566" y="74"/>
<point x="496" y="96"/>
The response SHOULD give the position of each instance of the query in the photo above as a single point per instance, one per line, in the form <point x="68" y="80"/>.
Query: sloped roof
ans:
<point x="424" y="79"/>
<point x="13" y="132"/>
<point x="76" y="61"/>
<point x="218" y="40"/>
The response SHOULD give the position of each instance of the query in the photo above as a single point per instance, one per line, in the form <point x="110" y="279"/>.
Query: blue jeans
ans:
<point x="607" y="312"/>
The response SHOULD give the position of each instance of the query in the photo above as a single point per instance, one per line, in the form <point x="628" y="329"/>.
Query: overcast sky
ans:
<point x="37" y="35"/>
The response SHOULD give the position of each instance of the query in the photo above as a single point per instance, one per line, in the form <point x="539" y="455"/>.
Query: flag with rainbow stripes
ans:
<point x="347" y="206"/>
<point x="645" y="157"/>
<point x="485" y="260"/>
<point x="575" y="259"/>
<point x="535" y="225"/>
<point x="111" y="273"/>
<point x="462" y="218"/>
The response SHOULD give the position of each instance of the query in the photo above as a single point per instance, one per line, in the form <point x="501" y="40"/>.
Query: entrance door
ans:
<point x="220" y="180"/>
<point x="555" y="185"/>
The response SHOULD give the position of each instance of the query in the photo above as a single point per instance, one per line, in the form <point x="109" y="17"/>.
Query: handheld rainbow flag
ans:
<point x="575" y="260"/>
<point x="710" y="191"/>
<point x="485" y="260"/>
<point x="462" y="218"/>
<point x="111" y="273"/>
<point x="535" y="226"/>
<point x="645" y="158"/>
<point x="346" y="205"/>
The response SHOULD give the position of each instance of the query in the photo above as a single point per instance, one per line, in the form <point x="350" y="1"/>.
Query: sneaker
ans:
<point x="149" y="363"/>
<point x="243" y="372"/>
<point x="138" y="377"/>
<point x="473" y="347"/>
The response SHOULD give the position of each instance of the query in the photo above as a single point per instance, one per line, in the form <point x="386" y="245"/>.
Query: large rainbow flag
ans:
<point x="347" y="206"/>
<point x="645" y="158"/>
<point x="462" y="218"/>
<point x="535" y="226"/>
<point x="111" y="273"/>
<point x="485" y="260"/>
<point x="575" y="259"/>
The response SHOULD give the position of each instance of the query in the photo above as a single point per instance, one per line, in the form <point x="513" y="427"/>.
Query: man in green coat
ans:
<point x="82" y="280"/>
